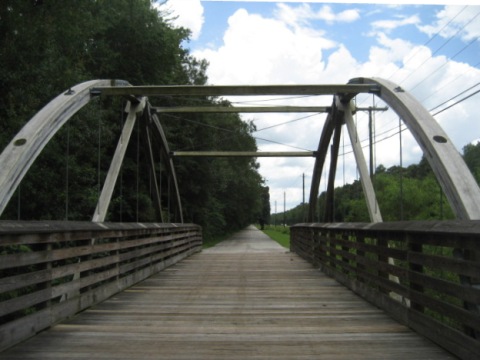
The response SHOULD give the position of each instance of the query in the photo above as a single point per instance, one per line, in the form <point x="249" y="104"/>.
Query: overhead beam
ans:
<point x="236" y="90"/>
<point x="242" y="109"/>
<point x="242" y="154"/>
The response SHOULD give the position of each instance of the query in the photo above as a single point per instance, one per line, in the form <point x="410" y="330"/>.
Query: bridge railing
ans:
<point x="426" y="275"/>
<point x="52" y="270"/>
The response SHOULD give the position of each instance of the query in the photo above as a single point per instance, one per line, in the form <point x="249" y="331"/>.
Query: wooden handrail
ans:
<point x="52" y="270"/>
<point x="424" y="274"/>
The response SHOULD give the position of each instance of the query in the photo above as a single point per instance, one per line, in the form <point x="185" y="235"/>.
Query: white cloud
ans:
<point x="304" y="12"/>
<point x="389" y="25"/>
<point x="287" y="49"/>
<point x="185" y="13"/>
<point x="453" y="20"/>
<point x="258" y="50"/>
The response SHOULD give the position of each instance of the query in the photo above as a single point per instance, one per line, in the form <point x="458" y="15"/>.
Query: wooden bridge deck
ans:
<point x="246" y="298"/>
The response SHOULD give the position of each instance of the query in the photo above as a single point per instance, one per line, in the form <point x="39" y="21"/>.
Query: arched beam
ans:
<point x="333" y="117"/>
<point x="157" y="126"/>
<point x="25" y="147"/>
<point x="455" y="178"/>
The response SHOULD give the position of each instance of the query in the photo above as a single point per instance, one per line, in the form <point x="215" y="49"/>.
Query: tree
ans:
<point x="471" y="155"/>
<point x="48" y="46"/>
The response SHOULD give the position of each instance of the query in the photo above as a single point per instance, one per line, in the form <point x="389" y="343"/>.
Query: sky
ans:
<point x="431" y="49"/>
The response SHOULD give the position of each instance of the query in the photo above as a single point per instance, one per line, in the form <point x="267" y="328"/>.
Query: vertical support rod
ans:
<point x="401" y="168"/>
<point x="303" y="199"/>
<point x="153" y="173"/>
<point x="370" y="139"/>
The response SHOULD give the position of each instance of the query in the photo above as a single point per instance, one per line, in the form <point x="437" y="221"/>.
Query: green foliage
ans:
<point x="48" y="46"/>
<point x="411" y="193"/>
<point x="471" y="155"/>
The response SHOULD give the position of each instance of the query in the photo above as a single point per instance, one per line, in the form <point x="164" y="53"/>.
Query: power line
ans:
<point x="443" y="45"/>
<point x="463" y="92"/>
<point x="458" y="102"/>
<point x="429" y="41"/>
<point x="272" y="99"/>
<point x="287" y="122"/>
<point x="233" y="132"/>
<point x="450" y="82"/>
<point x="446" y="62"/>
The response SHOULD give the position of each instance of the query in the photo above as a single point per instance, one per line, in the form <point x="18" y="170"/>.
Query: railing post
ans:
<point x="344" y="236"/>
<point x="382" y="245"/>
<point x="471" y="282"/>
<point x="48" y="283"/>
<point x="315" y="247"/>
<point x="414" y="247"/>
<point x="360" y="239"/>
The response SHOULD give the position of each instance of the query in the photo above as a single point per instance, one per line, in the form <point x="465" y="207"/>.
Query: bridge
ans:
<point x="424" y="275"/>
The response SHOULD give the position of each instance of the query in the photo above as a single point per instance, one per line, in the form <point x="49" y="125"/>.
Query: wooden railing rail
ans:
<point x="52" y="270"/>
<point x="426" y="275"/>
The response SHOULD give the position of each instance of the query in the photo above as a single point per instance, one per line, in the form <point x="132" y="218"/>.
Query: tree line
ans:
<point x="403" y="193"/>
<point x="46" y="46"/>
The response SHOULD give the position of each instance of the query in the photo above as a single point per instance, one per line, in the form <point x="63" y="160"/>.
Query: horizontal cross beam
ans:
<point x="242" y="109"/>
<point x="242" y="154"/>
<point x="235" y="90"/>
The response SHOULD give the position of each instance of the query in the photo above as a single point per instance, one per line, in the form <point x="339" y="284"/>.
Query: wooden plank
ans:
<point x="25" y="259"/>
<point x="465" y="293"/>
<point x="370" y="248"/>
<point x="238" y="90"/>
<point x="461" y="229"/>
<point x="465" y="317"/>
<point x="29" y="232"/>
<point x="457" y="266"/>
<point x="465" y="347"/>
<point x="243" y="109"/>
<point x="242" y="153"/>
<point x="19" y="281"/>
<point x="247" y="304"/>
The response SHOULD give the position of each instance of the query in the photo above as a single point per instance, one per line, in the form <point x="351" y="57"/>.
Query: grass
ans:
<point x="278" y="233"/>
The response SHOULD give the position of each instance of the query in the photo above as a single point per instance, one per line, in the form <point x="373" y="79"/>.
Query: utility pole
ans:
<point x="275" y="218"/>
<point x="370" y="110"/>
<point x="284" y="210"/>
<point x="303" y="202"/>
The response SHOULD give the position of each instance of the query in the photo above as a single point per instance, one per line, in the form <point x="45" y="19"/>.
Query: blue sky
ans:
<point x="216" y="16"/>
<point x="432" y="51"/>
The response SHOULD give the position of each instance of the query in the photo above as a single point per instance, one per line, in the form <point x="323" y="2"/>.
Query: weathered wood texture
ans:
<point x="52" y="270"/>
<point x="436" y="294"/>
<point x="239" y="90"/>
<point x="232" y="302"/>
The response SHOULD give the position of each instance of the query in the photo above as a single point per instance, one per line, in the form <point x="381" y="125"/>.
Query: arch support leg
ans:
<point x="372" y="205"/>
<point x="112" y="175"/>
